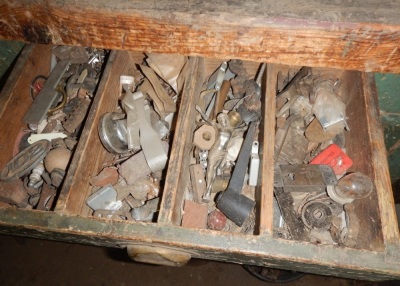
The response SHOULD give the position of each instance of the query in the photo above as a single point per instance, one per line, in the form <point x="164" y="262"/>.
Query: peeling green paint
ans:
<point x="9" y="51"/>
<point x="389" y="101"/>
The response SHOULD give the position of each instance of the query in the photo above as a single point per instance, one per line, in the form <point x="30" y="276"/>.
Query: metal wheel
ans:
<point x="273" y="275"/>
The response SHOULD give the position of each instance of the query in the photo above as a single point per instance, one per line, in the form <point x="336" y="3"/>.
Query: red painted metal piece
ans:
<point x="335" y="157"/>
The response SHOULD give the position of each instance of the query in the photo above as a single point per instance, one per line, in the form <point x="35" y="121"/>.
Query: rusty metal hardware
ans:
<point x="168" y="104"/>
<point x="222" y="95"/>
<point x="316" y="214"/>
<point x="304" y="178"/>
<point x="58" y="107"/>
<point x="13" y="192"/>
<point x="47" y="197"/>
<point x="75" y="82"/>
<point x="47" y="95"/>
<point x="217" y="153"/>
<point x="291" y="145"/>
<point x="29" y="190"/>
<point x="296" y="227"/>
<point x="194" y="215"/>
<point x="57" y="176"/>
<point x="215" y="83"/>
<point x="77" y="55"/>
<point x="250" y="105"/>
<point x="147" y="211"/>
<point x="239" y="83"/>
<point x="77" y="116"/>
<point x="25" y="161"/>
<point x="299" y="85"/>
<point x="35" y="179"/>
<point x="232" y="203"/>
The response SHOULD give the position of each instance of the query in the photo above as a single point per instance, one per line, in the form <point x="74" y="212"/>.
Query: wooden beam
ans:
<point x="212" y="245"/>
<point x="356" y="35"/>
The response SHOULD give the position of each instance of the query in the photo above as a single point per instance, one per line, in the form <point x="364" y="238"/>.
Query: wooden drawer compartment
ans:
<point x="173" y="203"/>
<point x="358" y="146"/>
<point x="75" y="195"/>
<point x="375" y="258"/>
<point x="70" y="112"/>
<point x="357" y="92"/>
<point x="364" y="144"/>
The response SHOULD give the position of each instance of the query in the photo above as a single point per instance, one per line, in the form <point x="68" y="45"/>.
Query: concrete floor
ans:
<point x="25" y="261"/>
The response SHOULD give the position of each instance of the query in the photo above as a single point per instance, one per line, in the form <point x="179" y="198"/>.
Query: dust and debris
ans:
<point x="346" y="48"/>
<point x="36" y="34"/>
<point x="394" y="148"/>
<point x="391" y="54"/>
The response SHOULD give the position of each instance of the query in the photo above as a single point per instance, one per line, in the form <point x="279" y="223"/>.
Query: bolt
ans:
<point x="35" y="178"/>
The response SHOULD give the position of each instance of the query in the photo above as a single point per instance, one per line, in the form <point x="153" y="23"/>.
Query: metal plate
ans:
<point x="307" y="178"/>
<point x="25" y="160"/>
<point x="47" y="95"/>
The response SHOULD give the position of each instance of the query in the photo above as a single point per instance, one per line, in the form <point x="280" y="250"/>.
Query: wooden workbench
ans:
<point x="351" y="34"/>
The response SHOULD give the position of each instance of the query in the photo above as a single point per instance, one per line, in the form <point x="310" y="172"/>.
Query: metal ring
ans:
<point x="63" y="102"/>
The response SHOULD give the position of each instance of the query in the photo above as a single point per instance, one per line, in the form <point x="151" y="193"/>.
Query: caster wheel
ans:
<point x="273" y="275"/>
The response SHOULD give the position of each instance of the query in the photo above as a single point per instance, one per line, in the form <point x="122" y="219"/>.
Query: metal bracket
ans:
<point x="152" y="147"/>
<point x="254" y="164"/>
<point x="47" y="95"/>
<point x="305" y="178"/>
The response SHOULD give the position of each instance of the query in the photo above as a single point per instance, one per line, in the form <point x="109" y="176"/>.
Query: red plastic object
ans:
<point x="335" y="157"/>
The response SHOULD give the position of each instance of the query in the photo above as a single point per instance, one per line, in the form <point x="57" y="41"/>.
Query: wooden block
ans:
<point x="199" y="185"/>
<point x="194" y="215"/>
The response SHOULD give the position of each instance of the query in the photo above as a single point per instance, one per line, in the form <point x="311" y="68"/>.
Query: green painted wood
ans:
<point x="222" y="246"/>
<point x="9" y="50"/>
<point x="388" y="86"/>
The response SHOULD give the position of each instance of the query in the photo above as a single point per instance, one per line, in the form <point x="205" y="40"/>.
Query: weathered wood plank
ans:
<point x="6" y="91"/>
<point x="267" y="170"/>
<point x="222" y="246"/>
<point x="363" y="120"/>
<point x="381" y="171"/>
<point x="17" y="99"/>
<point x="361" y="35"/>
<point x="178" y="163"/>
<point x="90" y="153"/>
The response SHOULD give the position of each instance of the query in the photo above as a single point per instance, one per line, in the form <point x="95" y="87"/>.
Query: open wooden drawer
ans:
<point x="165" y="241"/>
